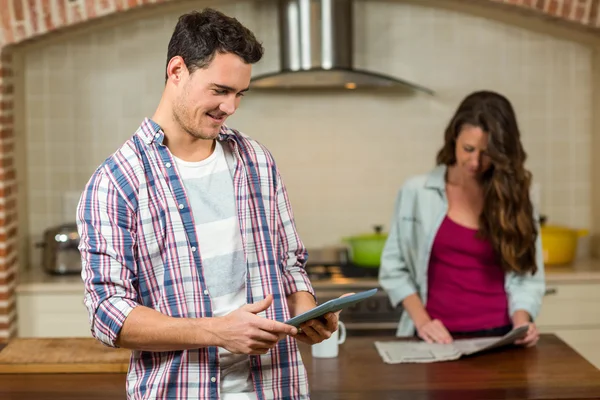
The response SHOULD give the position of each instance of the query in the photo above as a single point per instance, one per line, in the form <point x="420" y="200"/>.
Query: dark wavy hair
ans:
<point x="507" y="218"/>
<point x="199" y="35"/>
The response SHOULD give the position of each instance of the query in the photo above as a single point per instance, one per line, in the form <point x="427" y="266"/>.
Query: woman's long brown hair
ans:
<point x="507" y="217"/>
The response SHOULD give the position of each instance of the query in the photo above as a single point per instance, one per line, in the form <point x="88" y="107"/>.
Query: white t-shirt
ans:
<point x="209" y="187"/>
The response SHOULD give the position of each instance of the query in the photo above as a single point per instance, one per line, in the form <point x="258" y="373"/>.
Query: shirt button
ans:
<point x="181" y="206"/>
<point x="168" y="165"/>
<point x="193" y="249"/>
<point x="206" y="292"/>
<point x="213" y="379"/>
<point x="157" y="135"/>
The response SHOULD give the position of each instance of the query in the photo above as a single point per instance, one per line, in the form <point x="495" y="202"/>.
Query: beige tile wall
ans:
<point x="343" y="155"/>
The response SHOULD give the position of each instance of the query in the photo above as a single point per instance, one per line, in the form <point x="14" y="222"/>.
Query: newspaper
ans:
<point x="399" y="351"/>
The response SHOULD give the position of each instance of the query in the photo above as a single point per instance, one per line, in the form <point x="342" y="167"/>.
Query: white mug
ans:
<point x="329" y="348"/>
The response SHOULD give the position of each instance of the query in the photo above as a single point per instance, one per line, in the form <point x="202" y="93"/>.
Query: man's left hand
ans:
<point x="318" y="329"/>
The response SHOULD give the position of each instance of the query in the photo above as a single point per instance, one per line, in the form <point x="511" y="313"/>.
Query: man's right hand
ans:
<point x="434" y="331"/>
<point x="244" y="332"/>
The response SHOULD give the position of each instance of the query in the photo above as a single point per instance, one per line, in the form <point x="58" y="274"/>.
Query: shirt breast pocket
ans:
<point x="410" y="231"/>
<point x="410" y="227"/>
<point x="153" y="235"/>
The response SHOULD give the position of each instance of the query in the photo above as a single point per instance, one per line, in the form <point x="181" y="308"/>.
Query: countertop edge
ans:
<point x="37" y="281"/>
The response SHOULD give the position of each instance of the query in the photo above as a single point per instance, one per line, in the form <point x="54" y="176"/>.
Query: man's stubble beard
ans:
<point x="183" y="119"/>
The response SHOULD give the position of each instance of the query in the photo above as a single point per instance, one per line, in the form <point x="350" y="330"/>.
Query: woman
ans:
<point x="464" y="255"/>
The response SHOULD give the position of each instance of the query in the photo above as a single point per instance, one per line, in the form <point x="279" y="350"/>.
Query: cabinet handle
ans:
<point x="550" y="291"/>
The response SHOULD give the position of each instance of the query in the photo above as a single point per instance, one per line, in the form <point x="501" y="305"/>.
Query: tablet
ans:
<point x="330" y="306"/>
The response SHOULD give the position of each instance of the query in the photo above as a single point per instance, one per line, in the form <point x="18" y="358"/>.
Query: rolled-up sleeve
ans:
<point x="106" y="222"/>
<point x="293" y="254"/>
<point x="394" y="274"/>
<point x="525" y="292"/>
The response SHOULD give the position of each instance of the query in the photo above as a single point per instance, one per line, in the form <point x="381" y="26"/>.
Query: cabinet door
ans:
<point x="571" y="306"/>
<point x="52" y="315"/>
<point x="585" y="341"/>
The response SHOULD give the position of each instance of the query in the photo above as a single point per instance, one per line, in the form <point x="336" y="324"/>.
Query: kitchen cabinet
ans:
<point x="53" y="307"/>
<point x="52" y="312"/>
<point x="570" y="304"/>
<point x="585" y="341"/>
<point x="570" y="310"/>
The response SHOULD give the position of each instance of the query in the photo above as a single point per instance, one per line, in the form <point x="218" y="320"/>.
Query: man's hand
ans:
<point x="434" y="331"/>
<point x="315" y="330"/>
<point x="243" y="332"/>
<point x="521" y="318"/>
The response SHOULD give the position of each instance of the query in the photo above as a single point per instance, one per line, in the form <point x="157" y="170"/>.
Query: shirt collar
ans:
<point x="151" y="132"/>
<point x="436" y="179"/>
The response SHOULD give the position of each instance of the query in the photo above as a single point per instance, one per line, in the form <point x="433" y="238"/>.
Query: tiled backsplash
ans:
<point x="343" y="155"/>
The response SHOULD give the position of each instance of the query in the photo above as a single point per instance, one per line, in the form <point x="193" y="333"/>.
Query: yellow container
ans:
<point x="559" y="244"/>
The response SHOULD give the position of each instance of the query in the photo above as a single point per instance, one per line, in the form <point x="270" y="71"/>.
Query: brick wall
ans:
<point x="8" y="203"/>
<point x="582" y="12"/>
<point x="24" y="19"/>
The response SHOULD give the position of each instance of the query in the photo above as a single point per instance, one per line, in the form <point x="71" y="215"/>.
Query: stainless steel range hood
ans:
<point x="316" y="46"/>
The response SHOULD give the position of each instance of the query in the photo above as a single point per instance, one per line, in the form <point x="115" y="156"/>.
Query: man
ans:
<point x="190" y="253"/>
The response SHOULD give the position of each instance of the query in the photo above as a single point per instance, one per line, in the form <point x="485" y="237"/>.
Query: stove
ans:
<point x="373" y="316"/>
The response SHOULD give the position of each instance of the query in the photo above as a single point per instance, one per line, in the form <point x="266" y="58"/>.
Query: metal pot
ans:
<point x="365" y="250"/>
<point x="61" y="255"/>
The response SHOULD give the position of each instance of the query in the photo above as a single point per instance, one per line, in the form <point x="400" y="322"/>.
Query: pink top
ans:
<point x="466" y="281"/>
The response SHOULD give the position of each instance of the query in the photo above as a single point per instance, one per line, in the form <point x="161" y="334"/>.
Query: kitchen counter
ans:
<point x="35" y="280"/>
<point x="549" y="370"/>
<point x="38" y="281"/>
<point x="580" y="271"/>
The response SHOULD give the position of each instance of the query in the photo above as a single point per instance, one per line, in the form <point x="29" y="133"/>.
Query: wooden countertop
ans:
<point x="550" y="370"/>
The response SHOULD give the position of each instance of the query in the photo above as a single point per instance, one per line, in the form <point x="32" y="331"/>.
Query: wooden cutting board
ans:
<point x="61" y="355"/>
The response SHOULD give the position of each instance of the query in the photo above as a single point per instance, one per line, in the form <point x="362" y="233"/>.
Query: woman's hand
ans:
<point x="521" y="318"/>
<point x="532" y="337"/>
<point x="434" y="331"/>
